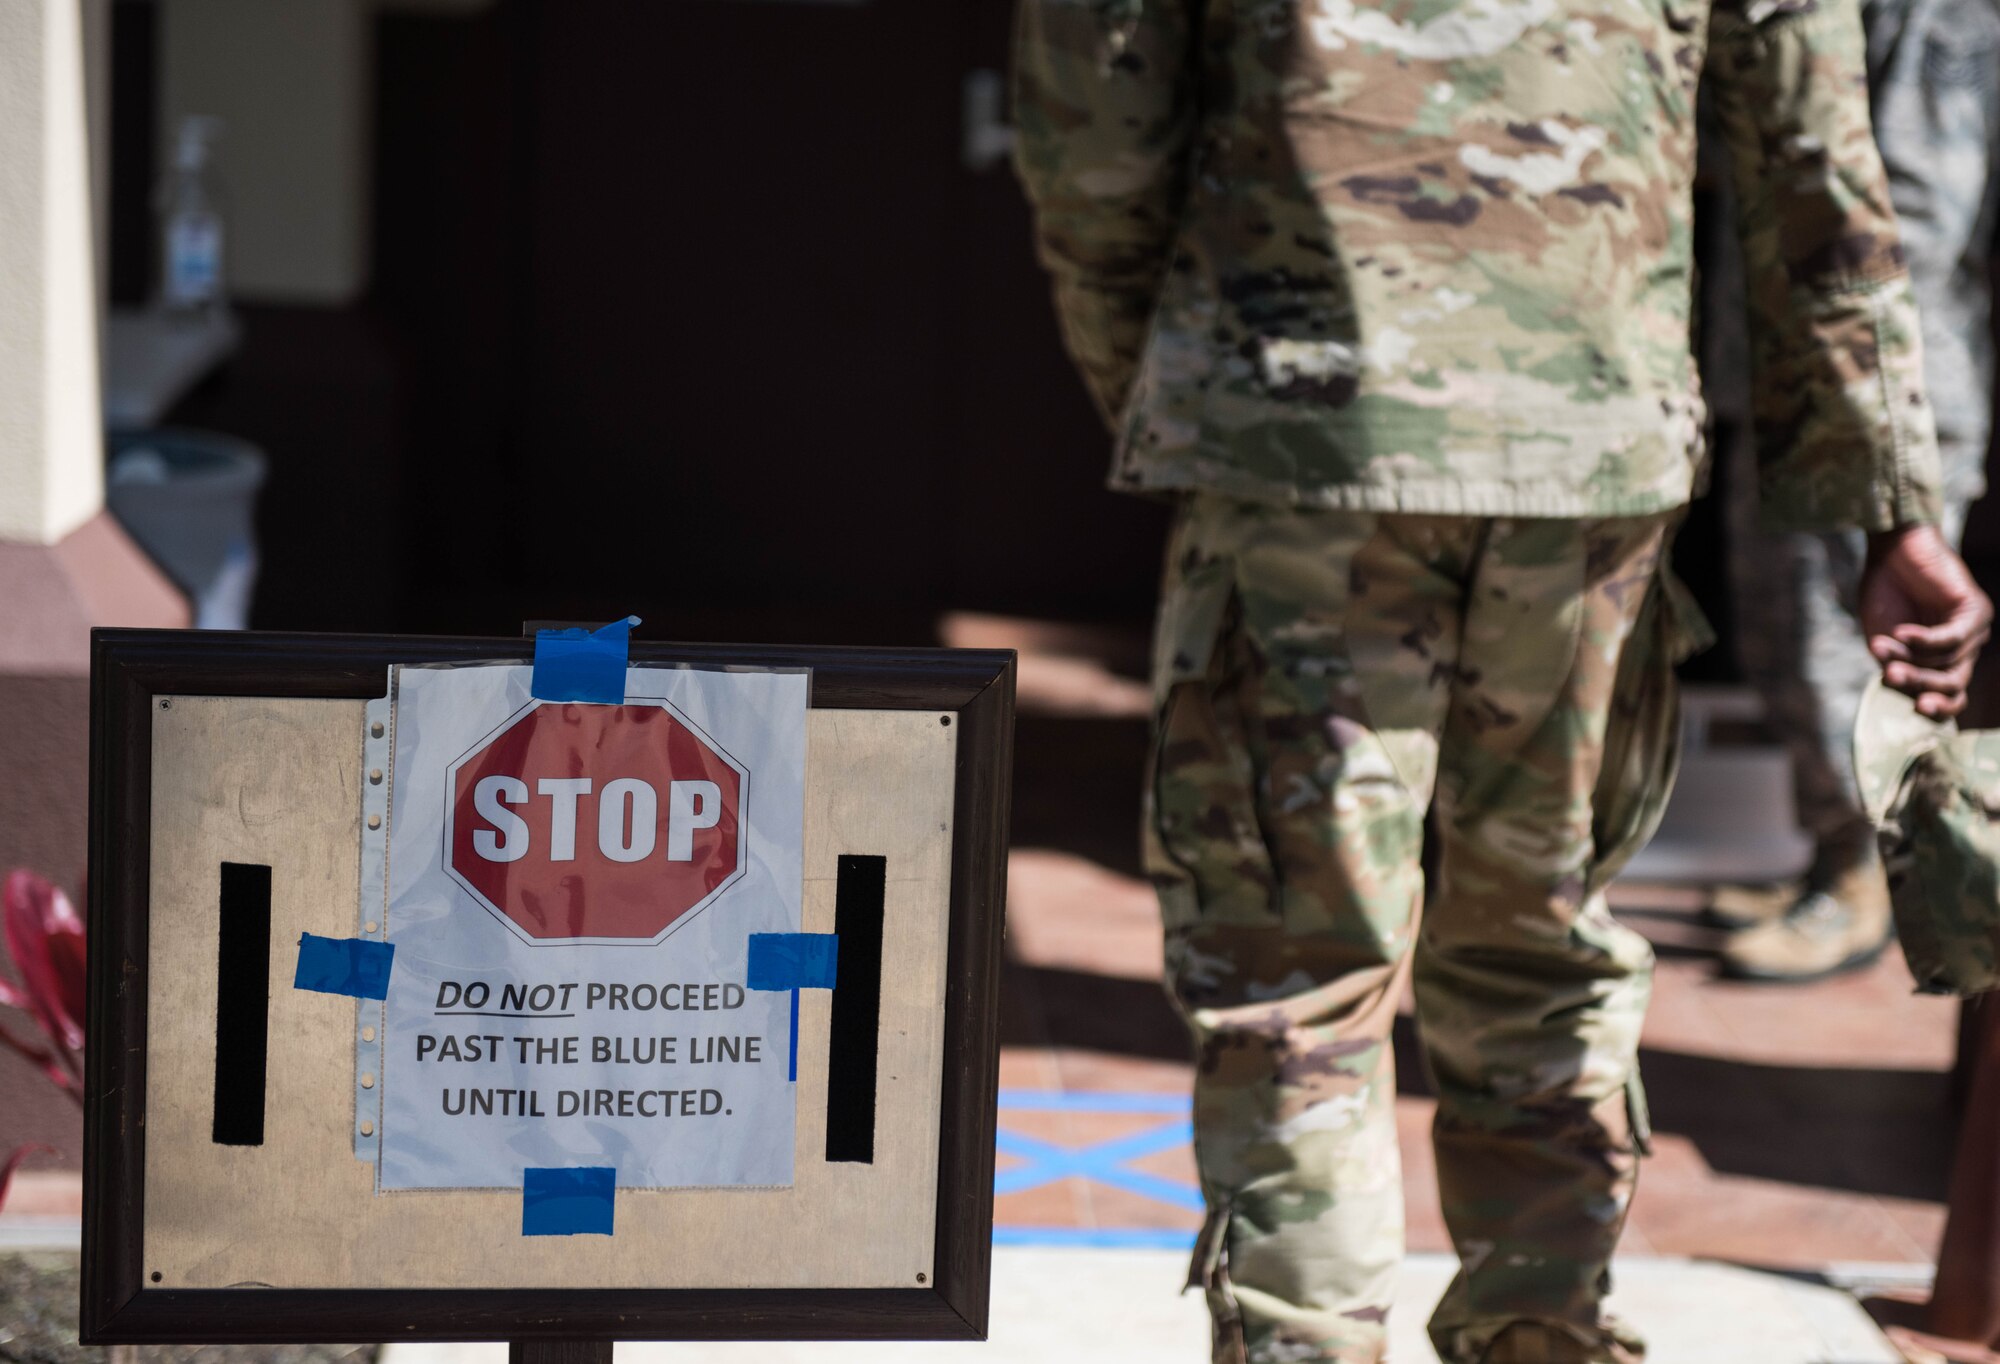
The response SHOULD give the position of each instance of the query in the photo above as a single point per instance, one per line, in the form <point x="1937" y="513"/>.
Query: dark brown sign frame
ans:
<point x="132" y="667"/>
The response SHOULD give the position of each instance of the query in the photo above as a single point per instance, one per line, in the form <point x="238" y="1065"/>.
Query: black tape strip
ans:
<point x="242" y="1005"/>
<point x="857" y="1010"/>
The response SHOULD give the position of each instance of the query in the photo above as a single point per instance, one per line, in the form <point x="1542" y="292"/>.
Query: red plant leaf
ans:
<point x="44" y="1059"/>
<point x="66" y="956"/>
<point x="13" y="1161"/>
<point x="38" y="1052"/>
<point x="45" y="939"/>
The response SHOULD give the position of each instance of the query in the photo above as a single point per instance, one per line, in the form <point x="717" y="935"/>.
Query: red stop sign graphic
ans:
<point x="601" y="822"/>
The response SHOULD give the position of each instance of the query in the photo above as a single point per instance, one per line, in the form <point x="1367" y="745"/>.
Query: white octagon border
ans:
<point x="479" y="897"/>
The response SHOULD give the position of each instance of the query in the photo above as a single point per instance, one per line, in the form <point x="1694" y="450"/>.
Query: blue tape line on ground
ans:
<point x="793" y="961"/>
<point x="574" y="1202"/>
<point x="582" y="665"/>
<point x="1105" y="1162"/>
<point x="344" y="966"/>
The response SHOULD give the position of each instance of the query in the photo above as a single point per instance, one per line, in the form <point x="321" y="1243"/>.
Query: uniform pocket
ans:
<point x="1642" y="740"/>
<point x="1209" y="1272"/>
<point x="1193" y="603"/>
<point x="1192" y="787"/>
<point x="1638" y="1114"/>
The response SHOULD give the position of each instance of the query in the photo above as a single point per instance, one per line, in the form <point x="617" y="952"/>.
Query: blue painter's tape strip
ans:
<point x="575" y="1202"/>
<point x="793" y="961"/>
<point x="583" y="665"/>
<point x="344" y="966"/>
<point x="792" y="1049"/>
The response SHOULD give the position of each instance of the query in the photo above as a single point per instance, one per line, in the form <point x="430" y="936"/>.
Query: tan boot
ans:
<point x="1547" y="1342"/>
<point x="1840" y="927"/>
<point x="1734" y="907"/>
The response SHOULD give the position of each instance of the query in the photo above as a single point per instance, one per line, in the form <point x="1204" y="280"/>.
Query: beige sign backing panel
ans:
<point x="277" y="782"/>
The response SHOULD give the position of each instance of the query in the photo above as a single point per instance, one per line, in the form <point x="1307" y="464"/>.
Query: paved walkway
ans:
<point x="1118" y="1307"/>
<point x="1796" y="1126"/>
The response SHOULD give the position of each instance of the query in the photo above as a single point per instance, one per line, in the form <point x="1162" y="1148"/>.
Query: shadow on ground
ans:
<point x="1077" y="787"/>
<point x="1873" y="1131"/>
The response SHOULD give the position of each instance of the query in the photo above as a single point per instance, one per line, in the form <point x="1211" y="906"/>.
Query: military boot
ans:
<point x="1548" y="1342"/>
<point x="1745" y="905"/>
<point x="1840" y="925"/>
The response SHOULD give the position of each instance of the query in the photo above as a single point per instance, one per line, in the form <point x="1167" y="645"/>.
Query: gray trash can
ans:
<point x="189" y="498"/>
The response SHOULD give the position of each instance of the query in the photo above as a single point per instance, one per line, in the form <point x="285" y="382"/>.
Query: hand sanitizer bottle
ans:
<point x="191" y="222"/>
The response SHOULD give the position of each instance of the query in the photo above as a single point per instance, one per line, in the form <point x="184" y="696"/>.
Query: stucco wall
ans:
<point x="51" y="460"/>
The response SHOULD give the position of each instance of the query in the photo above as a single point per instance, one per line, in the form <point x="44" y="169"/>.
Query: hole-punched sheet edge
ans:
<point x="377" y="748"/>
<point x="583" y="665"/>
<point x="572" y="1202"/>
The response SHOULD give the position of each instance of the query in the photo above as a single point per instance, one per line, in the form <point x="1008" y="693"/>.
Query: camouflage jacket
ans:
<point x="1934" y="78"/>
<point x="1434" y="255"/>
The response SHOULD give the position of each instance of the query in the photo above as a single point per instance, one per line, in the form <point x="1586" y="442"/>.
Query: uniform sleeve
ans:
<point x="1935" y="74"/>
<point x="1845" y="437"/>
<point x="1104" y="108"/>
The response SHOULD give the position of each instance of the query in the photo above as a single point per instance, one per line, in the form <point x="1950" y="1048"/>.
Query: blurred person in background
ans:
<point x="1934" y="86"/>
<point x="1395" y="304"/>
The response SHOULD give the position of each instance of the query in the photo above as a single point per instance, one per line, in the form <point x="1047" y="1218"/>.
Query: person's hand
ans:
<point x="1924" y="617"/>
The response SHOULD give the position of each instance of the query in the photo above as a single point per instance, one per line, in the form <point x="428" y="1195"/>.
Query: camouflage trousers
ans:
<point x="1319" y="675"/>
<point x="1798" y="635"/>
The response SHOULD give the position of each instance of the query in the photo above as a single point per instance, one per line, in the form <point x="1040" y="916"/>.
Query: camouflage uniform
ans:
<point x="1933" y="793"/>
<point x="1323" y="673"/>
<point x="1934" y="72"/>
<point x="1396" y="301"/>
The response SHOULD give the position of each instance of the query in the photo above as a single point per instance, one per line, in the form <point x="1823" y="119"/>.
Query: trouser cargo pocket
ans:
<point x="1642" y="741"/>
<point x="1209" y="1272"/>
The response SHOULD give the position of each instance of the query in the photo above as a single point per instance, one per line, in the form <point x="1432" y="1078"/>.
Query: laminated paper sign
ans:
<point x="571" y="891"/>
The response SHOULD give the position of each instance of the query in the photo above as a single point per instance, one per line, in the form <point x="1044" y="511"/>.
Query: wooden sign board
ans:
<point x="248" y="750"/>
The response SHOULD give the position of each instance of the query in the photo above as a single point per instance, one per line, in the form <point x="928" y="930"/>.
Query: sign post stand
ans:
<point x="559" y="1352"/>
<point x="292" y="1097"/>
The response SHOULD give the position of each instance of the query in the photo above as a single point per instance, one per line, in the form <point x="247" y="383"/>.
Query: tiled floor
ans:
<point x="1795" y="1126"/>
